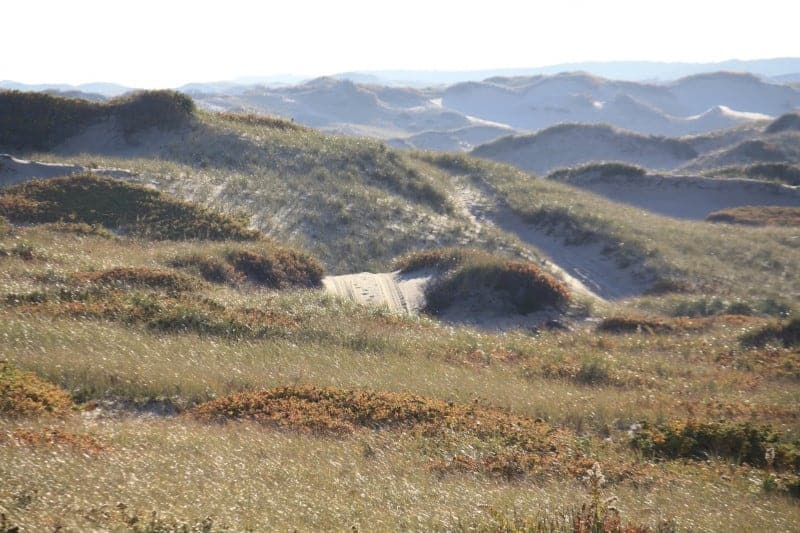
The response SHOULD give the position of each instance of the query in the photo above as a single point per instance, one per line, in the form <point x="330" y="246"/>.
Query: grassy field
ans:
<point x="132" y="438"/>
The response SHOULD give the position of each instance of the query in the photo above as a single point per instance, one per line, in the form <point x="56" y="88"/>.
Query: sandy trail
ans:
<point x="402" y="293"/>
<point x="13" y="170"/>
<point x="690" y="197"/>
<point x="584" y="268"/>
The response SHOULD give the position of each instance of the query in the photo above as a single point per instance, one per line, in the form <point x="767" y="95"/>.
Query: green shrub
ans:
<point x="127" y="277"/>
<point x="740" y="441"/>
<point x="634" y="324"/>
<point x="111" y="203"/>
<point x="475" y="275"/>
<point x="80" y="228"/>
<point x="210" y="268"/>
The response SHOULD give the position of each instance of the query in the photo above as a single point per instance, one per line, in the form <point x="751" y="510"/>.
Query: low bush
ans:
<point x="438" y="258"/>
<point x="277" y="268"/>
<point x="743" y="442"/>
<point x="610" y="169"/>
<point x="210" y="268"/>
<point x="251" y="119"/>
<point x="782" y="333"/>
<point x="758" y="216"/>
<point x="143" y="110"/>
<point x="54" y="437"/>
<point x="111" y="203"/>
<point x="23" y="394"/>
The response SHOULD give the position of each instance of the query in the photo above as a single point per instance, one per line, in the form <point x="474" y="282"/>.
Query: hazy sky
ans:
<point x="166" y="43"/>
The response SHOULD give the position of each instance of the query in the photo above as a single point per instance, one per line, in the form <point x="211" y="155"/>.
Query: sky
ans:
<point x="166" y="43"/>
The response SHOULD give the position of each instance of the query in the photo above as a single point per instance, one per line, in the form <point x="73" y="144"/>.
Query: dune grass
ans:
<point x="734" y="263"/>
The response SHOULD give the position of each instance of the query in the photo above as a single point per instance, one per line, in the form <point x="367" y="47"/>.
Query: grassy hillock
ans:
<point x="40" y="121"/>
<point x="475" y="276"/>
<point x="118" y="205"/>
<point x="786" y="122"/>
<point x="602" y="170"/>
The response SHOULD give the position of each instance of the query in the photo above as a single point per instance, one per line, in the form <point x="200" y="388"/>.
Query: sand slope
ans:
<point x="403" y="293"/>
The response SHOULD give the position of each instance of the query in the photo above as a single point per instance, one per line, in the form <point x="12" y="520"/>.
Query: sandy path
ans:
<point x="403" y="293"/>
<point x="13" y="170"/>
<point x="584" y="268"/>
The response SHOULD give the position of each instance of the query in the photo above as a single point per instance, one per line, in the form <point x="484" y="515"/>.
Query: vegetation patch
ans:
<point x="758" y="216"/>
<point x="80" y="228"/>
<point x="745" y="442"/>
<point x="635" y="324"/>
<point x="341" y="410"/>
<point x="111" y="203"/>
<point x="277" y="268"/>
<point x="39" y="121"/>
<point x="25" y="394"/>
<point x="54" y="437"/>
<point x="480" y="276"/>
<point x="782" y="333"/>
<point x="210" y="268"/>
<point x="600" y="171"/>
<point x="126" y="277"/>
<point x="22" y="250"/>
<point x="251" y="119"/>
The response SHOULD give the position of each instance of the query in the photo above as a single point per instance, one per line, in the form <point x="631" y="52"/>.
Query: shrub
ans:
<point x="341" y="410"/>
<point x="265" y="121"/>
<point x="277" y="268"/>
<point x="143" y="110"/>
<point x="611" y="169"/>
<point x="758" y="216"/>
<point x="212" y="269"/>
<point x="23" y="393"/>
<point x="786" y="333"/>
<point x="117" y="204"/>
<point x="438" y="258"/>
<point x="741" y="441"/>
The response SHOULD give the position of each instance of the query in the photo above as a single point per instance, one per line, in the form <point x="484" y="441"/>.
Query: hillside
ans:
<point x="574" y="144"/>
